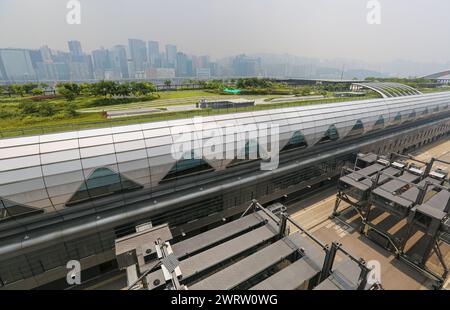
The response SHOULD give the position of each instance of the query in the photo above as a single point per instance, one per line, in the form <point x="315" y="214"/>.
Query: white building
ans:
<point x="203" y="73"/>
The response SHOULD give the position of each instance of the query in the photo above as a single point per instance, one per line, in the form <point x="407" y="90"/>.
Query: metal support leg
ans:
<point x="283" y="225"/>
<point x="329" y="260"/>
<point x="336" y="206"/>
<point x="363" y="275"/>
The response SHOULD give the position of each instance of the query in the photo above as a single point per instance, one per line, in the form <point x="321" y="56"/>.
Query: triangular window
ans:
<point x="186" y="166"/>
<point x="379" y="124"/>
<point x="9" y="209"/>
<point x="297" y="141"/>
<point x="330" y="135"/>
<point x="102" y="182"/>
<point x="358" y="129"/>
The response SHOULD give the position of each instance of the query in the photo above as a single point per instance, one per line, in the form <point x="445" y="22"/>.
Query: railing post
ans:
<point x="283" y="226"/>
<point x="329" y="260"/>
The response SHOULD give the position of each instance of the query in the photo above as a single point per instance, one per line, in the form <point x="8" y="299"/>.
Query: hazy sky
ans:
<point x="410" y="29"/>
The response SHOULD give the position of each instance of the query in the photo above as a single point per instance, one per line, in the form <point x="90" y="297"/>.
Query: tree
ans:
<point x="105" y="88"/>
<point x="69" y="90"/>
<point x="37" y="91"/>
<point x="28" y="87"/>
<point x="46" y="109"/>
<point x="17" y="89"/>
<point x="306" y="91"/>
<point x="167" y="83"/>
<point x="124" y="89"/>
<point x="70" y="109"/>
<point x="142" y="88"/>
<point x="28" y="108"/>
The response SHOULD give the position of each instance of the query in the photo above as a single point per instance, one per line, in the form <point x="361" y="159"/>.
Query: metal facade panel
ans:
<point x="119" y="147"/>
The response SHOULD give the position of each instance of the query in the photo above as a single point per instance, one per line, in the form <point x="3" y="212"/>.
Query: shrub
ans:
<point x="37" y="91"/>
<point x="46" y="109"/>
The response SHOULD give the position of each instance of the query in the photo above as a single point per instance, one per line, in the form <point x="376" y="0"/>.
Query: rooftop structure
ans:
<point x="387" y="89"/>
<point x="70" y="195"/>
<point x="254" y="252"/>
<point x="224" y="104"/>
<point x="51" y="172"/>
<point x="415" y="200"/>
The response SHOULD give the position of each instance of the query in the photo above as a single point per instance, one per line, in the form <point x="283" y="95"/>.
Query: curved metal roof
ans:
<point x="45" y="171"/>
<point x="389" y="90"/>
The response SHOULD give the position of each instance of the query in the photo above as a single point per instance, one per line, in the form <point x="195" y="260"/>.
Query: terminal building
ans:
<point x="69" y="196"/>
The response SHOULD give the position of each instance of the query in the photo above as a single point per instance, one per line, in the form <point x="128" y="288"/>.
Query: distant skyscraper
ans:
<point x="154" y="56"/>
<point x="46" y="53"/>
<point x="204" y="61"/>
<point x="246" y="66"/>
<point x="119" y="61"/>
<point x="138" y="53"/>
<point x="184" y="65"/>
<point x="16" y="65"/>
<point x="75" y="48"/>
<point x="171" y="55"/>
<point x="102" y="62"/>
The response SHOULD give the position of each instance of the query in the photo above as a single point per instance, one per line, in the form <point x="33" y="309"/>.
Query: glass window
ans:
<point x="251" y="151"/>
<point x="357" y="129"/>
<point x="102" y="182"/>
<point x="379" y="124"/>
<point x="186" y="166"/>
<point x="330" y="135"/>
<point x="9" y="209"/>
<point x="297" y="141"/>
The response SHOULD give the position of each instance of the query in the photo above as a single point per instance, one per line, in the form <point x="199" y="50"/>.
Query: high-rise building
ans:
<point x="138" y="53"/>
<point x="246" y="66"/>
<point x="154" y="56"/>
<point x="75" y="48"/>
<point x="16" y="65"/>
<point x="80" y="64"/>
<point x="102" y="62"/>
<point x="171" y="55"/>
<point x="203" y="73"/>
<point x="119" y="61"/>
<point x="204" y="61"/>
<point x="46" y="53"/>
<point x="183" y="65"/>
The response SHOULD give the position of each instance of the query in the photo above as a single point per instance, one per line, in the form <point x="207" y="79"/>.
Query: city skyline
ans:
<point x="323" y="29"/>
